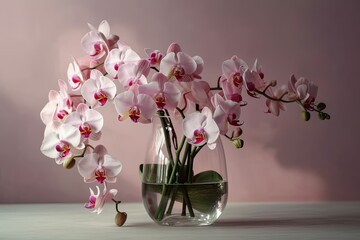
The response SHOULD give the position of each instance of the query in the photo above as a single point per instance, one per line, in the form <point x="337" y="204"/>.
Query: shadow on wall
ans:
<point x="28" y="176"/>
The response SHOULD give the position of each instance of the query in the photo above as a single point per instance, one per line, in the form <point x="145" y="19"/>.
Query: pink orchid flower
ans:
<point x="197" y="92"/>
<point x="104" y="29"/>
<point x="59" y="105"/>
<point x="138" y="106"/>
<point x="230" y="91"/>
<point x="61" y="143"/>
<point x="75" y="75"/>
<point x="131" y="74"/>
<point x="98" y="42"/>
<point x="226" y="112"/>
<point x="117" y="57"/>
<point x="254" y="78"/>
<point x="274" y="107"/>
<point x="99" y="166"/>
<point x="303" y="90"/>
<point x="88" y="121"/>
<point x="98" y="89"/>
<point x="95" y="44"/>
<point x="178" y="65"/>
<point x="233" y="70"/>
<point x="97" y="201"/>
<point x="164" y="93"/>
<point x="154" y="57"/>
<point x="200" y="128"/>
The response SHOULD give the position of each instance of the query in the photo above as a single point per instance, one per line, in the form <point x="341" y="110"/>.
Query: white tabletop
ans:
<point x="239" y="221"/>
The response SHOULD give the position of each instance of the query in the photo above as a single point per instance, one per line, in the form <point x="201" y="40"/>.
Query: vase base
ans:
<point x="187" y="221"/>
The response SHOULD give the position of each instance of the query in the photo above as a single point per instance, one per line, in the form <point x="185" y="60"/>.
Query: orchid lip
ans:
<point x="200" y="136"/>
<point x="101" y="97"/>
<point x="179" y="72"/>
<point x="134" y="114"/>
<point x="62" y="114"/>
<point x="237" y="79"/>
<point x="100" y="175"/>
<point x="85" y="130"/>
<point x="160" y="101"/>
<point x="63" y="148"/>
<point x="76" y="79"/>
<point x="97" y="48"/>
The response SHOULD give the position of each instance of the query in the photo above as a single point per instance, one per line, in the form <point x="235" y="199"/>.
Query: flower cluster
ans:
<point x="167" y="83"/>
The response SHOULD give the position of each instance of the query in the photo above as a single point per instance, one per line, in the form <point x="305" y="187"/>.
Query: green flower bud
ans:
<point x="69" y="163"/>
<point x="321" y="106"/>
<point x="305" y="115"/>
<point x="322" y="115"/>
<point x="238" y="143"/>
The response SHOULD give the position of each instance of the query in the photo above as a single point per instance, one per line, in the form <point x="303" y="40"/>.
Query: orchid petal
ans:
<point x="104" y="28"/>
<point x="187" y="62"/>
<point x="87" y="166"/>
<point x="147" y="107"/>
<point x="112" y="166"/>
<point x="95" y="119"/>
<point x="123" y="102"/>
<point x="167" y="64"/>
<point x="47" y="113"/>
<point x="88" y="90"/>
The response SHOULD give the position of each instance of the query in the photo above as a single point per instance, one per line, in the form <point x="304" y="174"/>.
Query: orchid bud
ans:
<point x="238" y="143"/>
<point x="69" y="163"/>
<point x="120" y="218"/>
<point x="305" y="115"/>
<point x="273" y="83"/>
<point x="174" y="47"/>
<point x="236" y="133"/>
<point x="321" y="106"/>
<point x="322" y="115"/>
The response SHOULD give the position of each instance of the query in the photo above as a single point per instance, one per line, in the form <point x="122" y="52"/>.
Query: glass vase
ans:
<point x="182" y="185"/>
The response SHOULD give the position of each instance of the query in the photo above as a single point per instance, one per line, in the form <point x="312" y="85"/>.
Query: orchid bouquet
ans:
<point x="113" y="73"/>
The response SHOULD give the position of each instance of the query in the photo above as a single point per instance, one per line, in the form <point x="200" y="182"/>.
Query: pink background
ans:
<point x="284" y="159"/>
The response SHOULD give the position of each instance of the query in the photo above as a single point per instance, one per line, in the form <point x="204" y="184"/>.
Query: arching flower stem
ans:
<point x="281" y="99"/>
<point x="83" y="153"/>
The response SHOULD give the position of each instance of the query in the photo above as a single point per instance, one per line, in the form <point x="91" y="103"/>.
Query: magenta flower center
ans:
<point x="179" y="72"/>
<point x="160" y="100"/>
<point x="85" y="130"/>
<point x="101" y="97"/>
<point x="237" y="79"/>
<point x="62" y="114"/>
<point x="199" y="135"/>
<point x="97" y="49"/>
<point x="134" y="113"/>
<point x="100" y="175"/>
<point x="76" y="79"/>
<point x="232" y="119"/>
<point x="236" y="97"/>
<point x="63" y="148"/>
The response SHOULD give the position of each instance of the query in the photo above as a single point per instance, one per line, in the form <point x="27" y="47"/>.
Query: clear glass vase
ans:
<point x="182" y="185"/>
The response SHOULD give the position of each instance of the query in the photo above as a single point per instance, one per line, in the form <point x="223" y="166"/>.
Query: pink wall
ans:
<point x="285" y="159"/>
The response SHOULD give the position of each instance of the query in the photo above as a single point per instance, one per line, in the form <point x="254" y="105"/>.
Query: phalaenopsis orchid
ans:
<point x="155" y="83"/>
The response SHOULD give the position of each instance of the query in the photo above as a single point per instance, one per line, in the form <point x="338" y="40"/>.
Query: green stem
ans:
<point x="92" y="68"/>
<point x="187" y="201"/>
<point x="167" y="135"/>
<point x="273" y="98"/>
